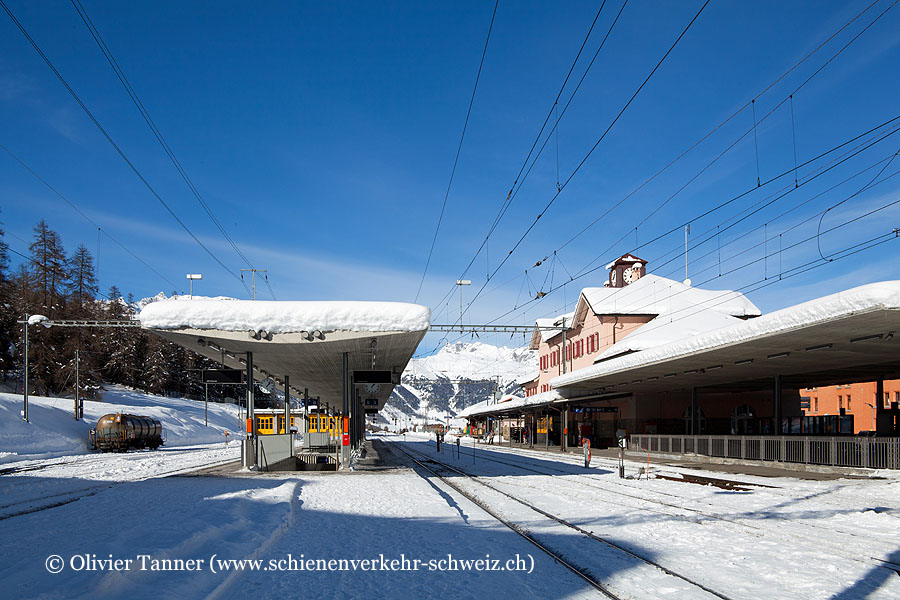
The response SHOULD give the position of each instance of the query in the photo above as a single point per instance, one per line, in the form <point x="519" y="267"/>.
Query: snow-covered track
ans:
<point x="813" y="539"/>
<point x="580" y="572"/>
<point x="46" y="502"/>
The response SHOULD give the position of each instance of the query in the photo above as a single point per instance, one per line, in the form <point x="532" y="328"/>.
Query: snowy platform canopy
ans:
<point x="303" y="340"/>
<point x="510" y="404"/>
<point x="843" y="338"/>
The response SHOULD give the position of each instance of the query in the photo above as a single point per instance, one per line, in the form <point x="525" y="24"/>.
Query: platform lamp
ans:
<point x="460" y="283"/>
<point x="874" y="411"/>
<point x="29" y="320"/>
<point x="191" y="277"/>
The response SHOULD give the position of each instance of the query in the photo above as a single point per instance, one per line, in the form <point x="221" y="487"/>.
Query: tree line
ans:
<point x="58" y="285"/>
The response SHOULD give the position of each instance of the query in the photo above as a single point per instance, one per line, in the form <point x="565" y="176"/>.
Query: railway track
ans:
<point x="813" y="540"/>
<point x="426" y="463"/>
<point x="46" y="502"/>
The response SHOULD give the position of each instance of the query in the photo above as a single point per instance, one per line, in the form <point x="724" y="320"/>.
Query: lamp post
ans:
<point x="191" y="277"/>
<point x="25" y="375"/>
<point x="460" y="283"/>
<point x="873" y="407"/>
<point x="32" y="320"/>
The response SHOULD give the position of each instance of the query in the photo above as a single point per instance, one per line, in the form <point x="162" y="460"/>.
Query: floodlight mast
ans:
<point x="191" y="277"/>
<point x="460" y="283"/>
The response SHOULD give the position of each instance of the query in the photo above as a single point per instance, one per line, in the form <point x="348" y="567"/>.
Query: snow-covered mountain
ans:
<point x="459" y="375"/>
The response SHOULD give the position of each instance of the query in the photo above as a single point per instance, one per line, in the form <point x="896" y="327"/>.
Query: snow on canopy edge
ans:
<point x="515" y="402"/>
<point x="284" y="316"/>
<point x="873" y="296"/>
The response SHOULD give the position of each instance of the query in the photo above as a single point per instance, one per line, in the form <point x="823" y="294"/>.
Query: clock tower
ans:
<point x="626" y="269"/>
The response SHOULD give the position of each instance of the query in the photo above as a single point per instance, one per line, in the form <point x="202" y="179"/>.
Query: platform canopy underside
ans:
<point x="313" y="364"/>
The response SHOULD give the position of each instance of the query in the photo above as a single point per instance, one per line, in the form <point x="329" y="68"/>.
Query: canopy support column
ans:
<point x="250" y="435"/>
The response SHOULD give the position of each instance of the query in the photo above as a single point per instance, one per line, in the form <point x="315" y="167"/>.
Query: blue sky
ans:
<point x="322" y="135"/>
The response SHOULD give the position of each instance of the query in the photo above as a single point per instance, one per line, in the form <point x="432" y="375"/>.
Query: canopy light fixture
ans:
<point x="819" y="347"/>
<point x="866" y="338"/>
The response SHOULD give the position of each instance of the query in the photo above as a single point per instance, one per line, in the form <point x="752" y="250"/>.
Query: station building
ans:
<point x="665" y="361"/>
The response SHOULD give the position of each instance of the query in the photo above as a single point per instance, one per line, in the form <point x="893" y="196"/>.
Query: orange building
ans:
<point x="854" y="399"/>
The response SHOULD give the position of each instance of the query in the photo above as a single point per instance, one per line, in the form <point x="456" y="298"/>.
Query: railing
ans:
<point x="844" y="451"/>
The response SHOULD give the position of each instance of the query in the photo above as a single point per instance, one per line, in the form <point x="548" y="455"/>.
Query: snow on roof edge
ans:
<point x="873" y="296"/>
<point x="284" y="316"/>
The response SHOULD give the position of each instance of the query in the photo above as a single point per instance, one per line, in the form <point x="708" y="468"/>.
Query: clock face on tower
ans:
<point x="612" y="278"/>
<point x="373" y="388"/>
<point x="632" y="274"/>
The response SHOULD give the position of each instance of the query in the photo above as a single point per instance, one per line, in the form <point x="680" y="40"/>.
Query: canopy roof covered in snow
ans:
<point x="303" y="340"/>
<point x="510" y="404"/>
<point x="841" y="338"/>
<point x="283" y="317"/>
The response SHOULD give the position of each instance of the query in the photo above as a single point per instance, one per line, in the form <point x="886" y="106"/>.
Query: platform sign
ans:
<point x="371" y="401"/>
<point x="372" y="377"/>
<point x="223" y="376"/>
<point x="596" y="409"/>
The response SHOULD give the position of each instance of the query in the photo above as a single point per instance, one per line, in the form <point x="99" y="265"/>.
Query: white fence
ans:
<point x="843" y="451"/>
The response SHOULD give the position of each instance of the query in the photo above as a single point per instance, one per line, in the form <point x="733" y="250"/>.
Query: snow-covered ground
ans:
<point x="52" y="430"/>
<point x="795" y="539"/>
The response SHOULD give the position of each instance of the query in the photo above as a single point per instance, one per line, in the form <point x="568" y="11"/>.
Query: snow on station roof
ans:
<point x="303" y="340"/>
<point x="844" y="337"/>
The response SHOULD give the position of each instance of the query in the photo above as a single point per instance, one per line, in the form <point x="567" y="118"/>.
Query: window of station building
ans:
<point x="816" y="400"/>
<point x="840" y="402"/>
<point x="897" y="397"/>
<point x="848" y="402"/>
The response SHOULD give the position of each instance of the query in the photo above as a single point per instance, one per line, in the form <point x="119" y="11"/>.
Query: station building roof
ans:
<point x="841" y="338"/>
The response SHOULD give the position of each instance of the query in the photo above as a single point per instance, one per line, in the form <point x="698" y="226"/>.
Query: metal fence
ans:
<point x="843" y="451"/>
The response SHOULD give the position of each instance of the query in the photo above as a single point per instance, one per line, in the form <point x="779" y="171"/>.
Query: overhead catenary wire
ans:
<point x="752" y="189"/>
<point x="111" y="141"/>
<point x="788" y="273"/>
<point x="594" y="147"/>
<point x="796" y="166"/>
<point x="120" y="74"/>
<point x="731" y="117"/>
<point x="734" y="114"/>
<point x="74" y="207"/>
<point x="462" y="137"/>
<point x="525" y="168"/>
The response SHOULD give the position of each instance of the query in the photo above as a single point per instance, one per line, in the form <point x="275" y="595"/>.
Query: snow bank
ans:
<point x="52" y="430"/>
<point x="875" y="296"/>
<point x="283" y="317"/>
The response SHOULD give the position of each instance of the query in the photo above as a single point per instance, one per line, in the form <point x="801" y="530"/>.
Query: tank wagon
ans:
<point x="121" y="432"/>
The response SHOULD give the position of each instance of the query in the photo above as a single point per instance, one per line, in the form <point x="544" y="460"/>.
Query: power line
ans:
<point x="120" y="74"/>
<point x="109" y="138"/>
<point x="749" y="103"/>
<point x="554" y="107"/>
<point x="594" y="147"/>
<point x="84" y="216"/>
<point x="458" y="149"/>
<point x="893" y="233"/>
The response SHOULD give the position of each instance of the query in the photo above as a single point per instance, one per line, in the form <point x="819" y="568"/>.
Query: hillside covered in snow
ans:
<point x="52" y="430"/>
<point x="440" y="386"/>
